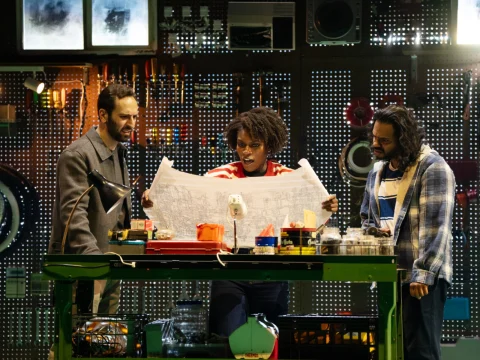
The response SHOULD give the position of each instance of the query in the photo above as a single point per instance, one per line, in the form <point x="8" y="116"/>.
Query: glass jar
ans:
<point x="351" y="241"/>
<point x="190" y="322"/>
<point x="330" y="241"/>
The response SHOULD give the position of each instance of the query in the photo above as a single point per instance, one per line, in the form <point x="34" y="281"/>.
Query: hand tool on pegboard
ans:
<point x="466" y="98"/>
<point x="176" y="139"/>
<point x="176" y="74"/>
<point x="153" y="73"/>
<point x="213" y="149"/>
<point x="162" y="137"/>
<point x="261" y="80"/>
<point x="238" y="80"/>
<point x="182" y="82"/>
<point x="126" y="76"/>
<point x="222" y="148"/>
<point x="183" y="138"/>
<point x="263" y="88"/>
<point x="105" y="79"/>
<point x="114" y="68"/>
<point x="203" y="144"/>
<point x="134" y="76"/>
<point x="168" y="106"/>
<point x="147" y="67"/>
<point x="281" y="87"/>
<point x="163" y="69"/>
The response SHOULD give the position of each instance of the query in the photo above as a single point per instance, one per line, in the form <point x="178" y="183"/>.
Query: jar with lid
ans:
<point x="330" y="241"/>
<point x="190" y="322"/>
<point x="351" y="241"/>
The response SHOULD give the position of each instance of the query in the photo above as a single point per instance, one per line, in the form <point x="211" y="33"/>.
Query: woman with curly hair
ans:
<point x="256" y="136"/>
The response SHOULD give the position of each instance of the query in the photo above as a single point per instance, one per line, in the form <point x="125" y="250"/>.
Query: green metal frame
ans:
<point x="65" y="269"/>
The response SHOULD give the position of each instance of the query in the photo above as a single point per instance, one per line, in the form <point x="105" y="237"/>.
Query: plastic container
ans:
<point x="165" y="234"/>
<point x="266" y="245"/>
<point x="210" y="232"/>
<point x="127" y="247"/>
<point x="190" y="322"/>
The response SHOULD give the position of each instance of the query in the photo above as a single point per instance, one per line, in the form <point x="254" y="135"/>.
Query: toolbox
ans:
<point x="186" y="247"/>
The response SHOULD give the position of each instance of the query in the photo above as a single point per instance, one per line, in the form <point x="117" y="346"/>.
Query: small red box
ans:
<point x="186" y="247"/>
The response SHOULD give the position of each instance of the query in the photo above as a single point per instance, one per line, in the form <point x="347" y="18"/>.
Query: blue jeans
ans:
<point x="232" y="302"/>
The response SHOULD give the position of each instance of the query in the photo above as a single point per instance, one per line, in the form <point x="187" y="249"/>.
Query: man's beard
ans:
<point x="115" y="133"/>
<point x="384" y="155"/>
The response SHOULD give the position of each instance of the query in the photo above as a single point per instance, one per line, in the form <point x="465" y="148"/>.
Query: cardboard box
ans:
<point x="141" y="224"/>
<point x="7" y="113"/>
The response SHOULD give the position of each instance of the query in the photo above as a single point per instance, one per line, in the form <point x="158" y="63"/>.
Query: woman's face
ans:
<point x="252" y="152"/>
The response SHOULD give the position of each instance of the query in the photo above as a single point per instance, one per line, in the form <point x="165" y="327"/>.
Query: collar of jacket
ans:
<point x="405" y="190"/>
<point x="100" y="146"/>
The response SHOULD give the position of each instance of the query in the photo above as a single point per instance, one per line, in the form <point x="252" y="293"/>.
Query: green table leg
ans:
<point x="387" y="318"/>
<point x="63" y="320"/>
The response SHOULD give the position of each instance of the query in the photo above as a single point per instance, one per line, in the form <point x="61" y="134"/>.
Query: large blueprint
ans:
<point x="182" y="200"/>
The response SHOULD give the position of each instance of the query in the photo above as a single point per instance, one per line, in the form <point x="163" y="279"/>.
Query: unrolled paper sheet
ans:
<point x="183" y="200"/>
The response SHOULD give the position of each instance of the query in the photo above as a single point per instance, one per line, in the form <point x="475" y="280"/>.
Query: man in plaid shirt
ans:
<point x="410" y="194"/>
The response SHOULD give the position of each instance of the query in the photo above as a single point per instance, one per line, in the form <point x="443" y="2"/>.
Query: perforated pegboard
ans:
<point x="43" y="130"/>
<point x="214" y="108"/>
<point x="327" y="133"/>
<point x="410" y="22"/>
<point x="454" y="135"/>
<point x="274" y="91"/>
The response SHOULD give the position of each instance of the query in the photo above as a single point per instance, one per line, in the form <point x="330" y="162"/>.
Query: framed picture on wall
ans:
<point x="119" y="22"/>
<point x="124" y="27"/>
<point x="51" y="24"/>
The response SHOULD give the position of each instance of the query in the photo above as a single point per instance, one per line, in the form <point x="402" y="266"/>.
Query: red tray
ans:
<point x="190" y="247"/>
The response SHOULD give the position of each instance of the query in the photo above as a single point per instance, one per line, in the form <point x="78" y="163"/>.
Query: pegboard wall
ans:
<point x="197" y="88"/>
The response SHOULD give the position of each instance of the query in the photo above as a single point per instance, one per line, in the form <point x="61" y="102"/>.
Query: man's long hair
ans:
<point x="410" y="136"/>
<point x="261" y="123"/>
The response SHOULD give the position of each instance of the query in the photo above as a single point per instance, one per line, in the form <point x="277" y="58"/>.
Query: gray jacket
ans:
<point x="90" y="223"/>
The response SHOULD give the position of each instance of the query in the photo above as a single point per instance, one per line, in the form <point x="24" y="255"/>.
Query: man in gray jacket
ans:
<point x="99" y="149"/>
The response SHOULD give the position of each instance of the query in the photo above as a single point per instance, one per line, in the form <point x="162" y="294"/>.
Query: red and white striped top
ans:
<point x="235" y="170"/>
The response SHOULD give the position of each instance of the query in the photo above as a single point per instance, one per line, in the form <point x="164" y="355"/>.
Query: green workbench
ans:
<point x="64" y="269"/>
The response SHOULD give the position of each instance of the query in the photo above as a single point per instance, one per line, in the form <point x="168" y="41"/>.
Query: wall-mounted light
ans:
<point x="34" y="85"/>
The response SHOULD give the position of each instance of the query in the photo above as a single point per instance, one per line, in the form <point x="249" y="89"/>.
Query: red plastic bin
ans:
<point x="184" y="247"/>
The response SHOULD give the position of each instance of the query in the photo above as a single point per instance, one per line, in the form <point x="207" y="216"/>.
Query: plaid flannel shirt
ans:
<point x="422" y="217"/>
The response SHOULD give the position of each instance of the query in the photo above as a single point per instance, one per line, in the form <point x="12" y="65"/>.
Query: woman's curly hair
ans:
<point x="410" y="136"/>
<point x="261" y="123"/>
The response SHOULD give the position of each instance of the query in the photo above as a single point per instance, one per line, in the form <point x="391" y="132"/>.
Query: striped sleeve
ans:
<point x="228" y="171"/>
<point x="279" y="169"/>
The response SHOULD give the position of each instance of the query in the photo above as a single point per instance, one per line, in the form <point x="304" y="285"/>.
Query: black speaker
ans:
<point x="334" y="22"/>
